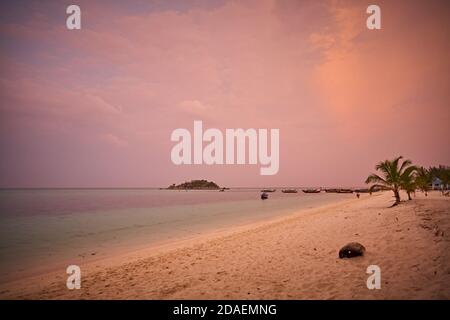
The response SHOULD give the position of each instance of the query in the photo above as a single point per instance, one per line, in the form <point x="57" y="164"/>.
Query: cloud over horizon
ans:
<point x="96" y="107"/>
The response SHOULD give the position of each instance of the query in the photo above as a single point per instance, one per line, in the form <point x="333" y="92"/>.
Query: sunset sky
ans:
<point x="96" y="107"/>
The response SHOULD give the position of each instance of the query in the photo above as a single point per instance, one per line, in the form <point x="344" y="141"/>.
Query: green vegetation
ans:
<point x="399" y="174"/>
<point x="423" y="180"/>
<point x="394" y="176"/>
<point x="442" y="173"/>
<point x="195" y="185"/>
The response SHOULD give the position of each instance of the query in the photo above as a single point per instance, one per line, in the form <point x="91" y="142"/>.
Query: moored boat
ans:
<point x="345" y="191"/>
<point x="289" y="191"/>
<point x="311" y="190"/>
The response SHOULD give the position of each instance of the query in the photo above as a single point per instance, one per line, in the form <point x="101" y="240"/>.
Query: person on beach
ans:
<point x="357" y="195"/>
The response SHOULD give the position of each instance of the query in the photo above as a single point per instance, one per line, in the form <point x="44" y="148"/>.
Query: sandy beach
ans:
<point x="294" y="257"/>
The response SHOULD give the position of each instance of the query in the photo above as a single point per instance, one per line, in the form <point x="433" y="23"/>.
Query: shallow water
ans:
<point x="42" y="227"/>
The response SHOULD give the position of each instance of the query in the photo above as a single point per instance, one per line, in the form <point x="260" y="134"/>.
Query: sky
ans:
<point x="96" y="107"/>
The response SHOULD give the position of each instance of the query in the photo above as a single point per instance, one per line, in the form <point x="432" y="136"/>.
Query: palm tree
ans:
<point x="408" y="180"/>
<point x="394" y="176"/>
<point x="423" y="180"/>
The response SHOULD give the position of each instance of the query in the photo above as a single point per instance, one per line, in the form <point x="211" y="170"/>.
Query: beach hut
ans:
<point x="436" y="184"/>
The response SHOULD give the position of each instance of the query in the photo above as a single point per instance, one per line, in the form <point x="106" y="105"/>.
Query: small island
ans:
<point x="195" y="185"/>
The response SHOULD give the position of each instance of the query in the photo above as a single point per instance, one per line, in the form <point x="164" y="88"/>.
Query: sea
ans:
<point x="44" y="229"/>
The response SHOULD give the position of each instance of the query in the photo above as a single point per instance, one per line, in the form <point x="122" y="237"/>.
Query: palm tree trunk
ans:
<point x="409" y="196"/>
<point x="397" y="196"/>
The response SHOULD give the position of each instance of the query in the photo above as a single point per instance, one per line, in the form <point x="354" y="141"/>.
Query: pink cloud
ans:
<point x="339" y="93"/>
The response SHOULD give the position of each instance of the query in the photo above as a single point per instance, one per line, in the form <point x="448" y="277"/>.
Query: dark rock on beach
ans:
<point x="351" y="250"/>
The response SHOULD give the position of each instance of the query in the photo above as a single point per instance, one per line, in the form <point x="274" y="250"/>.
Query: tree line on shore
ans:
<point x="195" y="185"/>
<point x="399" y="174"/>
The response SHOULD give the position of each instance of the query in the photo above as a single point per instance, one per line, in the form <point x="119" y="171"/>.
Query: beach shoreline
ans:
<point x="127" y="252"/>
<point x="78" y="227"/>
<point x="291" y="257"/>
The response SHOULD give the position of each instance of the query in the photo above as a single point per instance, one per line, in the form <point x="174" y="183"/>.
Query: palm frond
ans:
<point x="374" y="178"/>
<point x="405" y="165"/>
<point x="379" y="187"/>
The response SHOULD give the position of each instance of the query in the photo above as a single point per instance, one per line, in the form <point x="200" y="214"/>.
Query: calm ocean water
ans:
<point x="40" y="228"/>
